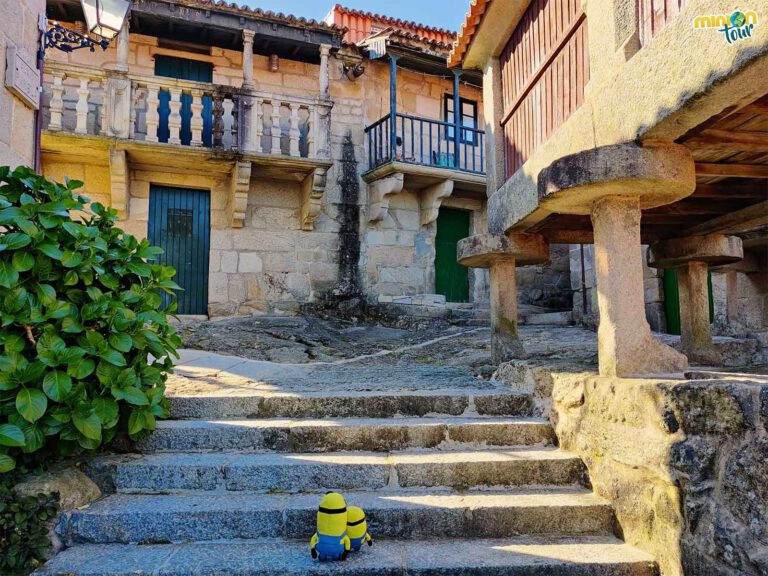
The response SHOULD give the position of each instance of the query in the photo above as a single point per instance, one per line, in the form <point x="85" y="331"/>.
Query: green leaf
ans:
<point x="50" y="250"/>
<point x="6" y="463"/>
<point x="71" y="259"/>
<point x="8" y="275"/>
<point x="73" y="229"/>
<point x="82" y="369"/>
<point x="31" y="404"/>
<point x="141" y="268"/>
<point x="106" y="409"/>
<point x="70" y="278"/>
<point x="57" y="385"/>
<point x="87" y="423"/>
<point x="132" y="395"/>
<point x="14" y="343"/>
<point x="15" y="240"/>
<point x="23" y="261"/>
<point x="27" y="226"/>
<point x="121" y="342"/>
<point x="11" y="435"/>
<point x="113" y="357"/>
<point x="71" y="326"/>
<point x="46" y="293"/>
<point x="136" y="422"/>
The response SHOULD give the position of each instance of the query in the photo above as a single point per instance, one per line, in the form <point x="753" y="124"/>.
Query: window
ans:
<point x="468" y="119"/>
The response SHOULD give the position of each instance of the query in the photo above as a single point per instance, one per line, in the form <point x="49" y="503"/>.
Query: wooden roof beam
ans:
<point x="743" y="220"/>
<point x="731" y="170"/>
<point x="730" y="140"/>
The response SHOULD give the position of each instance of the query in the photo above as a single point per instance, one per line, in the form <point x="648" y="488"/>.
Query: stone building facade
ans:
<point x="17" y="118"/>
<point x="288" y="226"/>
<point x="637" y="133"/>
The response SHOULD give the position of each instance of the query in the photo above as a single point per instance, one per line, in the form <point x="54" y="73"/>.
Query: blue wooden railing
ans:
<point x="425" y="142"/>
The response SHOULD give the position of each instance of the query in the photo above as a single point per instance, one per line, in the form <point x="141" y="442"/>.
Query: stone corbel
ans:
<point x="432" y="198"/>
<point x="238" y="193"/>
<point x="118" y="178"/>
<point x="312" y="191"/>
<point x="379" y="192"/>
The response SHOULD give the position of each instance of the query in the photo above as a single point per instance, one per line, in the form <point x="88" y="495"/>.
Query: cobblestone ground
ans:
<point x="306" y="354"/>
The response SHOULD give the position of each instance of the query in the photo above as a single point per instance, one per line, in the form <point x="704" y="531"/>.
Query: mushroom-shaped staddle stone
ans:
<point x="484" y="250"/>
<point x="714" y="249"/>
<point x="657" y="174"/>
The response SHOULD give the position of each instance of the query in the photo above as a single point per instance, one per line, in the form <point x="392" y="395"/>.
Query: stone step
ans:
<point x="147" y="519"/>
<point x="548" y="318"/>
<point x="583" y="556"/>
<point x="334" y="435"/>
<point x="352" y="405"/>
<point x="292" y="473"/>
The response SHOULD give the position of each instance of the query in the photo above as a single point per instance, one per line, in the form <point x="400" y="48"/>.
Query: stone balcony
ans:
<point x="178" y="125"/>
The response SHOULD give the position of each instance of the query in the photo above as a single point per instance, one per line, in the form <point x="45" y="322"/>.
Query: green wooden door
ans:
<point x="451" y="278"/>
<point x="183" y="69"/>
<point x="672" y="300"/>
<point x="179" y="223"/>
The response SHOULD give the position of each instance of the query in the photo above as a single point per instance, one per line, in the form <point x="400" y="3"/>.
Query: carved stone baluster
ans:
<point x="276" y="130"/>
<point x="236" y="121"/>
<point x="82" y="107"/>
<point x="134" y="106"/>
<point x="107" y="107"/>
<point x="153" y="114"/>
<point x="57" y="102"/>
<point x="311" y="129"/>
<point x="197" y="118"/>
<point x="258" y="123"/>
<point x="295" y="134"/>
<point x="218" y="120"/>
<point x="174" y="118"/>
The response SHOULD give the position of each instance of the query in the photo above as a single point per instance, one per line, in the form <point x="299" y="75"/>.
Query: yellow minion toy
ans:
<point x="357" y="528"/>
<point x="331" y="542"/>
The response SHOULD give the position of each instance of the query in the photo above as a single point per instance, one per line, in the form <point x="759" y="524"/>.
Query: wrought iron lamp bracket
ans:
<point x="66" y="40"/>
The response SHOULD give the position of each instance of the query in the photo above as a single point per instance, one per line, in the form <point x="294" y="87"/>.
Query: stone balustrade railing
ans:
<point x="86" y="100"/>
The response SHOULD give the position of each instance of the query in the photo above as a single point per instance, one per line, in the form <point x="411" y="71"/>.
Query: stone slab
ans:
<point x="714" y="249"/>
<point x="349" y="405"/>
<point x="151" y="519"/>
<point x="325" y="435"/>
<point x="583" y="556"/>
<point x="484" y="250"/>
<point x="294" y="473"/>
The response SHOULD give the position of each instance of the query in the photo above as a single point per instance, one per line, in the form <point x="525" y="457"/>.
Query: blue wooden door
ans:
<point x="179" y="223"/>
<point x="183" y="69"/>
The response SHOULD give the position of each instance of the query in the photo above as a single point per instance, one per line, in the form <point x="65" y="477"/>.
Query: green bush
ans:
<point x="84" y="332"/>
<point x="24" y="520"/>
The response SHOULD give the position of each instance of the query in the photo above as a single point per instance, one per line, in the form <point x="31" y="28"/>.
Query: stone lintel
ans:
<point x="482" y="251"/>
<point x="379" y="192"/>
<point x="655" y="173"/>
<point x="312" y="191"/>
<point x="713" y="249"/>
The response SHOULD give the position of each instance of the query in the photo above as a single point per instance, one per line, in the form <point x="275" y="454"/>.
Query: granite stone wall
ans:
<point x="685" y="464"/>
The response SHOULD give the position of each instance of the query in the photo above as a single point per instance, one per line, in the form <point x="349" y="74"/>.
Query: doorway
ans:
<point x="179" y="223"/>
<point x="451" y="278"/>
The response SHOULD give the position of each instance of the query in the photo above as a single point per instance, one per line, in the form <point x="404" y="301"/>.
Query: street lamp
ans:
<point x="103" y="18"/>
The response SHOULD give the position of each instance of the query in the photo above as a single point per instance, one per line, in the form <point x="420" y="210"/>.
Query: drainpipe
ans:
<point x="456" y="120"/>
<point x="393" y="106"/>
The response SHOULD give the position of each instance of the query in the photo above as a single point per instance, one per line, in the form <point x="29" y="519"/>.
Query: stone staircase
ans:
<point x="453" y="484"/>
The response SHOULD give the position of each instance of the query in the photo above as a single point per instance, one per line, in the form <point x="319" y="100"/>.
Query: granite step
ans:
<point x="352" y="405"/>
<point x="292" y="473"/>
<point x="582" y="556"/>
<point x="333" y="435"/>
<point x="407" y="514"/>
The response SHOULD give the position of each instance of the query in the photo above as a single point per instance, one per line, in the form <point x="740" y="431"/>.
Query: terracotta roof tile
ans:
<point x="259" y="13"/>
<point x="360" y="24"/>
<point x="477" y="9"/>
